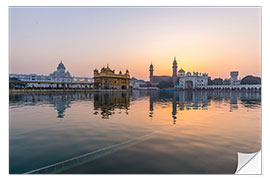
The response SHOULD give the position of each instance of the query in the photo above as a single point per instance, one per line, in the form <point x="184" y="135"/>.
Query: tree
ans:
<point x="210" y="82"/>
<point x="251" y="80"/>
<point x="165" y="84"/>
<point x="226" y="82"/>
<point x="216" y="81"/>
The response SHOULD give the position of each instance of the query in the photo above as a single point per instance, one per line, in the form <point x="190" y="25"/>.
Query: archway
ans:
<point x="188" y="85"/>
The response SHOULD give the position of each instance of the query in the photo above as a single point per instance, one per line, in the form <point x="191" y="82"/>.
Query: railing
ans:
<point x="49" y="82"/>
<point x="227" y="87"/>
<point x="234" y="86"/>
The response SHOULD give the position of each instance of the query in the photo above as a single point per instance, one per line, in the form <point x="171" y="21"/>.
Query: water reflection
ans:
<point x="207" y="123"/>
<point x="61" y="103"/>
<point x="107" y="104"/>
<point x="199" y="100"/>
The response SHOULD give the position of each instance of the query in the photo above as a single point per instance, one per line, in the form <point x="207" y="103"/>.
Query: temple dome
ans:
<point x="61" y="66"/>
<point x="60" y="73"/>
<point x="188" y="73"/>
<point x="181" y="71"/>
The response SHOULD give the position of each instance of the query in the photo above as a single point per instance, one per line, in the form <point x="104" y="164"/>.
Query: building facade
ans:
<point x="60" y="76"/>
<point x="181" y="80"/>
<point x="234" y="78"/>
<point x="156" y="79"/>
<point x="192" y="81"/>
<point x="108" y="79"/>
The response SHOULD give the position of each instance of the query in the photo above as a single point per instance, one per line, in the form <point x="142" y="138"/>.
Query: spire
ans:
<point x="174" y="60"/>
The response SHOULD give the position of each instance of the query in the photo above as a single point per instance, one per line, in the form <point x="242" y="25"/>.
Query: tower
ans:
<point x="174" y="75"/>
<point x="151" y="70"/>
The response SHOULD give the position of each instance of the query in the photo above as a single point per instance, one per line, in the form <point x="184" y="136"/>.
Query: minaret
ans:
<point x="174" y="75"/>
<point x="151" y="70"/>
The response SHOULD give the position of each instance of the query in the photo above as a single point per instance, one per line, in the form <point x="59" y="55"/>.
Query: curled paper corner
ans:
<point x="249" y="163"/>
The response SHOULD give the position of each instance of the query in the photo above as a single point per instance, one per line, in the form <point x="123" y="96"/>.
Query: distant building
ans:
<point x="60" y="75"/>
<point x="137" y="83"/>
<point x="234" y="78"/>
<point x="192" y="81"/>
<point x="108" y="79"/>
<point x="156" y="79"/>
<point x="142" y="85"/>
<point x="180" y="80"/>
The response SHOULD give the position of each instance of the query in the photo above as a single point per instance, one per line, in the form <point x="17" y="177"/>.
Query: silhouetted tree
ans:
<point x="251" y="80"/>
<point x="226" y="82"/>
<point x="216" y="81"/>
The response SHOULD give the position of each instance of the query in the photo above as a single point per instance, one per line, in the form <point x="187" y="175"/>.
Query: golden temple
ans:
<point x="108" y="79"/>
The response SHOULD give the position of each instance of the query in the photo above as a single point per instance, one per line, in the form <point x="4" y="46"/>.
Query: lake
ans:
<point x="139" y="132"/>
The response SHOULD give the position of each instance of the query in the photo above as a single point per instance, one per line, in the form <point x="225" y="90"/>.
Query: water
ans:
<point x="170" y="132"/>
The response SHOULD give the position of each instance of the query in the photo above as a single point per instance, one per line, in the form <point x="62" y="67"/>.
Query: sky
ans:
<point x="209" y="40"/>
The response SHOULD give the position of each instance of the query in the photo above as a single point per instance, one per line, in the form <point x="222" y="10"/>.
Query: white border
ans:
<point x="4" y="77"/>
